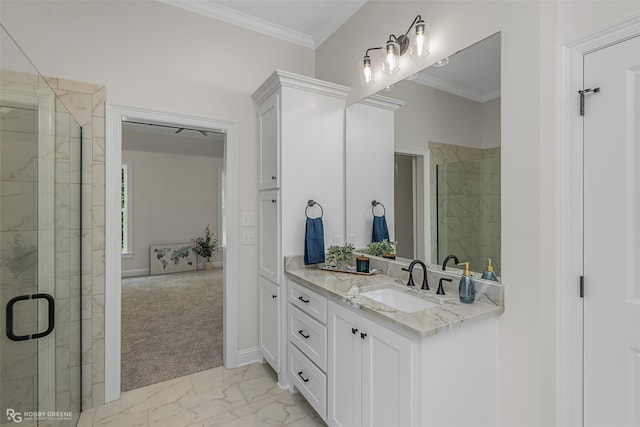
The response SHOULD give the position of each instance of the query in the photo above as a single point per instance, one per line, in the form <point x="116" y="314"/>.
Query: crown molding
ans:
<point x="455" y="89"/>
<point x="382" y="102"/>
<point x="281" y="78"/>
<point x="231" y="16"/>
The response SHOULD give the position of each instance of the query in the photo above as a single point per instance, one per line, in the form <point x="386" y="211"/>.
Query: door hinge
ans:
<point x="584" y="92"/>
<point x="581" y="286"/>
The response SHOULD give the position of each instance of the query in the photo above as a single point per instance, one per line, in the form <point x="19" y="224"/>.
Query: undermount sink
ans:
<point x="399" y="300"/>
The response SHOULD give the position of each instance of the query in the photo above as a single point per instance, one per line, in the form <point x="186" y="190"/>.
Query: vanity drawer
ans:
<point x="309" y="335"/>
<point x="309" y="380"/>
<point x="308" y="301"/>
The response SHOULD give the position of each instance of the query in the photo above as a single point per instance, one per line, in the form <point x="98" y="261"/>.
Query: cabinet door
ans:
<point x="269" y="235"/>
<point x="345" y="369"/>
<point x="269" y="322"/>
<point x="387" y="377"/>
<point x="269" y="143"/>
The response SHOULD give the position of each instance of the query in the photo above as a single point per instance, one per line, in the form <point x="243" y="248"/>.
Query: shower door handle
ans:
<point x="51" y="317"/>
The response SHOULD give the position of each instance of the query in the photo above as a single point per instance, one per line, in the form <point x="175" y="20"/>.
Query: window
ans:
<point x="125" y="204"/>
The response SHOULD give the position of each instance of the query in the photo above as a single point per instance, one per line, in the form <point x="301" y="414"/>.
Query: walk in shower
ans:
<point x="40" y="249"/>
<point x="466" y="197"/>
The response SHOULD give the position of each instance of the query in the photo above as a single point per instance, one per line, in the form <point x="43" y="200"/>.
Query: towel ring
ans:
<point x="311" y="203"/>
<point x="375" y="203"/>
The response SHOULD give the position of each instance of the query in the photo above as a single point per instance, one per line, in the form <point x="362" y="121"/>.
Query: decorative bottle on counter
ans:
<point x="489" y="274"/>
<point x="467" y="289"/>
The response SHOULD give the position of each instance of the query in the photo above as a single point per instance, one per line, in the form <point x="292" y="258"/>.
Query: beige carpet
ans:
<point x="171" y="326"/>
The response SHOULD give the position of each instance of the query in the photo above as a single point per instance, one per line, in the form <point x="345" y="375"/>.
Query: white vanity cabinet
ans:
<point x="371" y="372"/>
<point x="307" y="333"/>
<point x="378" y="376"/>
<point x="301" y="140"/>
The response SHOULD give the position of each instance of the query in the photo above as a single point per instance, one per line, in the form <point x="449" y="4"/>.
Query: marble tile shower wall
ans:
<point x="86" y="102"/>
<point x="470" y="199"/>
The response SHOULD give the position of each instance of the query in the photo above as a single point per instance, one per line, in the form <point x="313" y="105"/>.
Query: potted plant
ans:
<point x="204" y="247"/>
<point x="385" y="249"/>
<point x="340" y="256"/>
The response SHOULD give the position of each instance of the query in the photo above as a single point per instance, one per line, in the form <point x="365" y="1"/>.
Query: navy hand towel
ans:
<point x="314" y="241"/>
<point x="380" y="230"/>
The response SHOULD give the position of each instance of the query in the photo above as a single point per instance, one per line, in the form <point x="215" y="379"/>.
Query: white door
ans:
<point x="269" y="325"/>
<point x="612" y="237"/>
<point x="387" y="377"/>
<point x="345" y="368"/>
<point x="269" y="235"/>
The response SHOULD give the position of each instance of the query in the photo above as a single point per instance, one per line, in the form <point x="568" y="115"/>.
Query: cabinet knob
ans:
<point x="363" y="335"/>
<point x="301" y="332"/>
<point x="274" y="296"/>
<point x="302" y="377"/>
<point x="306" y="301"/>
<point x="273" y="177"/>
<point x="354" y="331"/>
<point x="274" y="201"/>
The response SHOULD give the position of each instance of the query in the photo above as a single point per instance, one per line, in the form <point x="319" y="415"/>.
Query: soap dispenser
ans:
<point x="466" y="289"/>
<point x="489" y="274"/>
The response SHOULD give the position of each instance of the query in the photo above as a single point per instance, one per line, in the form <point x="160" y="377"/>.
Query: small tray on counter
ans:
<point x="349" y="269"/>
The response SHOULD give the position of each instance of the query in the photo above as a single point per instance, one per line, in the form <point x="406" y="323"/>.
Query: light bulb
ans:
<point x="420" y="47"/>
<point x="391" y="59"/>
<point x="366" y="75"/>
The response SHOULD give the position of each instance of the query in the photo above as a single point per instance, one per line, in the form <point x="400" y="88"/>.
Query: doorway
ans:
<point x="404" y="182"/>
<point x="172" y="311"/>
<point x="115" y="116"/>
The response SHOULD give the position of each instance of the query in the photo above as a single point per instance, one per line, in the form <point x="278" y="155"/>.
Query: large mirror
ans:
<point x="444" y="163"/>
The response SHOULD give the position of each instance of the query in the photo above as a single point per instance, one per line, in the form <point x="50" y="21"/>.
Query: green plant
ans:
<point x="340" y="255"/>
<point x="379" y="248"/>
<point x="205" y="245"/>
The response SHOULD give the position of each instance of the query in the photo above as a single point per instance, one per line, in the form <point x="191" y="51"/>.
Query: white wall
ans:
<point x="530" y="31"/>
<point x="434" y="115"/>
<point x="154" y="56"/>
<point x="174" y="197"/>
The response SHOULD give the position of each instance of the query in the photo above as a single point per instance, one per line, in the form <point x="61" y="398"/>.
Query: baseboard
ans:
<point x="135" y="273"/>
<point x="248" y="356"/>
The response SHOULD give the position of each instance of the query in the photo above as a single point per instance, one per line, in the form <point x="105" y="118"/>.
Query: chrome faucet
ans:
<point x="446" y="260"/>
<point x="425" y="285"/>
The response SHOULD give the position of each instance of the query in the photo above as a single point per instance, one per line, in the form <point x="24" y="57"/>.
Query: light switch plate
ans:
<point x="248" y="219"/>
<point x="249" y="238"/>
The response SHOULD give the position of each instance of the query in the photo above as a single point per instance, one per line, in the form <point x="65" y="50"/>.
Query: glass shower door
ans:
<point x="40" y="272"/>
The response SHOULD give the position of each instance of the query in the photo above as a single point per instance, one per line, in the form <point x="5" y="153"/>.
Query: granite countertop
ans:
<point x="447" y="314"/>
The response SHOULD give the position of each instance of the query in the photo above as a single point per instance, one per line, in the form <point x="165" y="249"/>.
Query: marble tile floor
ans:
<point x="246" y="396"/>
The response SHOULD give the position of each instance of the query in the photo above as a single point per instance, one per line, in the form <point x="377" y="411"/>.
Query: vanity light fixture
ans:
<point x="394" y="49"/>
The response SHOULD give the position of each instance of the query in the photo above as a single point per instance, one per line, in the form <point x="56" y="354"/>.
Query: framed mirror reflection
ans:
<point x="445" y="161"/>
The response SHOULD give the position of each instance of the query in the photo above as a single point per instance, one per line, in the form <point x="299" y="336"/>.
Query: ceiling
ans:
<point x="471" y="73"/>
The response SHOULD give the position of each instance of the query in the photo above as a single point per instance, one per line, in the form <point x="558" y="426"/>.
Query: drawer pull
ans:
<point x="273" y="177"/>
<point x="306" y="301"/>
<point x="274" y="296"/>
<point x="354" y="331"/>
<point x="363" y="335"/>
<point x="306" y="380"/>
<point x="301" y="332"/>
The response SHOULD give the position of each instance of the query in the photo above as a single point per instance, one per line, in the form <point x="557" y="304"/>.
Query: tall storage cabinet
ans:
<point x="301" y="158"/>
<point x="370" y="135"/>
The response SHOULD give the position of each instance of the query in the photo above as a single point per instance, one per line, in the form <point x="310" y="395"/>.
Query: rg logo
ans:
<point x="14" y="416"/>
